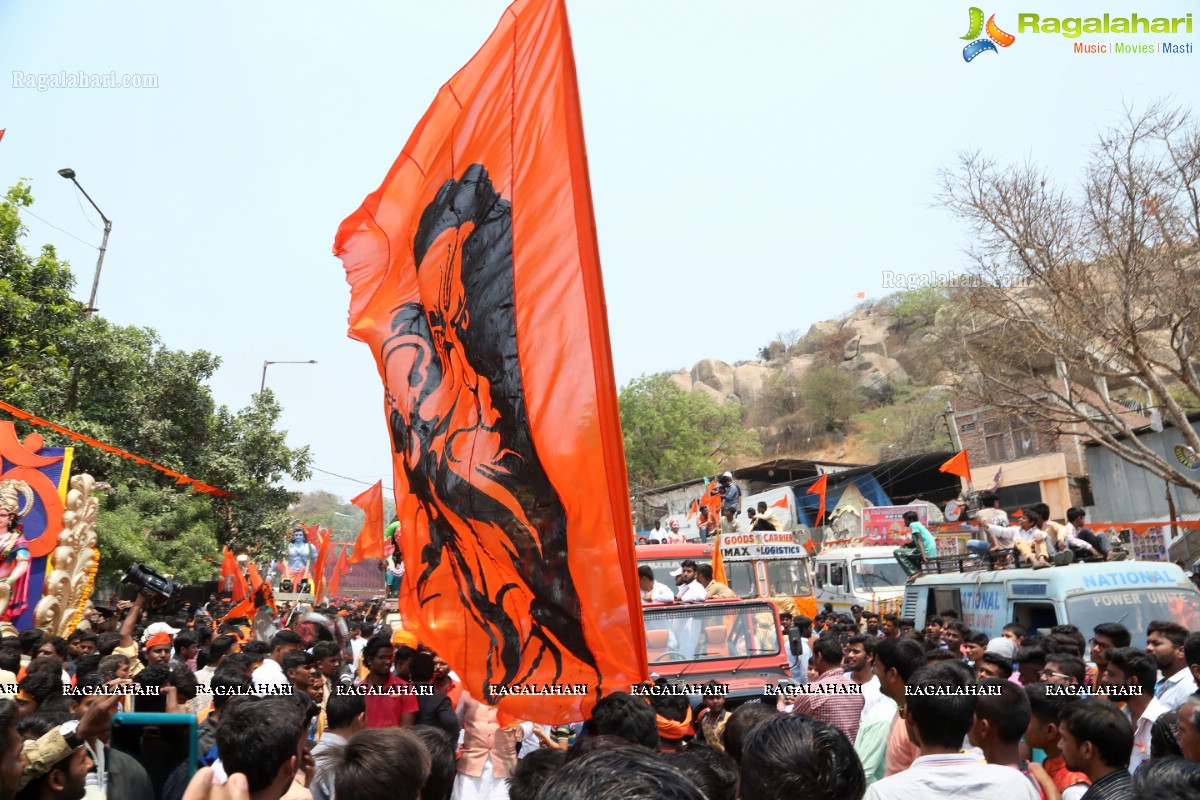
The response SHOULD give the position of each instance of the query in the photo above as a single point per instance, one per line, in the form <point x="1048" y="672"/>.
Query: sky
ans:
<point x="753" y="165"/>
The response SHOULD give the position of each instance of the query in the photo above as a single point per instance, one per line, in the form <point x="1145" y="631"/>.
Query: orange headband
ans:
<point x="670" y="729"/>
<point x="158" y="639"/>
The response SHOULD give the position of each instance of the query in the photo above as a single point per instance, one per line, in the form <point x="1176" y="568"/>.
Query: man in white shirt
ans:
<point x="990" y="511"/>
<point x="938" y="714"/>
<point x="690" y="591"/>
<point x="1135" y="672"/>
<point x="271" y="673"/>
<point x="1164" y="643"/>
<point x="652" y="590"/>
<point x="658" y="534"/>
<point x="1030" y="542"/>
<point x="858" y="659"/>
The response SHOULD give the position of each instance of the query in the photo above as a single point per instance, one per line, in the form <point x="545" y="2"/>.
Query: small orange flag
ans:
<point x="718" y="563"/>
<point x="319" y="568"/>
<point x="958" y="466"/>
<point x="231" y="577"/>
<point x="819" y="488"/>
<point x="369" y="543"/>
<point x="255" y="579"/>
<point x="861" y="295"/>
<point x="780" y="503"/>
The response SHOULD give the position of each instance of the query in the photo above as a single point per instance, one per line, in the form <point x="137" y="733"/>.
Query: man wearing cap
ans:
<point x="731" y="495"/>
<point x="56" y="764"/>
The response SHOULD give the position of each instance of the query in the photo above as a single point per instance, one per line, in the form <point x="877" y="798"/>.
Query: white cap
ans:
<point x="157" y="628"/>
<point x="678" y="571"/>
<point x="726" y="474"/>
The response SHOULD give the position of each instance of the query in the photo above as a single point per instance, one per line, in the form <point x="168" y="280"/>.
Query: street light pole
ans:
<point x="262" y="387"/>
<point x="69" y="174"/>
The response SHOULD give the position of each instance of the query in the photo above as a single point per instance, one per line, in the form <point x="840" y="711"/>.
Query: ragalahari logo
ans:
<point x="995" y="36"/>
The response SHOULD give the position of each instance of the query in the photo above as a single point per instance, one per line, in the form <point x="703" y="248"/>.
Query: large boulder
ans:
<point x="873" y="373"/>
<point x="683" y="379"/>
<point x="797" y="367"/>
<point x="748" y="381"/>
<point x="720" y="397"/>
<point x="715" y="374"/>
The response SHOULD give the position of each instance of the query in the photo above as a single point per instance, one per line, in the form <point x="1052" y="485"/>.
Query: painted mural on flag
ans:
<point x="475" y="280"/>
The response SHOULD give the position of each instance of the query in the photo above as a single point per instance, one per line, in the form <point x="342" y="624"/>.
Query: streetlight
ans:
<point x="69" y="174"/>
<point x="269" y="363"/>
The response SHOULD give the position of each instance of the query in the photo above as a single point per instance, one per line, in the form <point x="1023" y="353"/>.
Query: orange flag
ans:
<point x="718" y="563"/>
<point x="369" y="543"/>
<point x="339" y="569"/>
<point x="231" y="577"/>
<point x="781" y="502"/>
<point x="860" y="295"/>
<point x="958" y="466"/>
<point x="475" y="280"/>
<point x="713" y="501"/>
<point x="319" y="567"/>
<point x="819" y="488"/>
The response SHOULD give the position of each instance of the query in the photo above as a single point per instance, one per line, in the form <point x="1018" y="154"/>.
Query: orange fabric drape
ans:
<point x="475" y="281"/>
<point x="369" y="543"/>
<point x="319" y="567"/>
<point x="231" y="577"/>
<point x="958" y="465"/>
<point x="818" y="488"/>
<point x="339" y="569"/>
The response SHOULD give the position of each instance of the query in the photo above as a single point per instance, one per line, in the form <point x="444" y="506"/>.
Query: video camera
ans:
<point x="148" y="582"/>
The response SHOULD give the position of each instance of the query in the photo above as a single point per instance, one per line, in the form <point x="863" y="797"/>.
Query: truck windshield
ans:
<point x="1135" y="610"/>
<point x="788" y="577"/>
<point x="741" y="578"/>
<point x="703" y="631"/>
<point x="877" y="573"/>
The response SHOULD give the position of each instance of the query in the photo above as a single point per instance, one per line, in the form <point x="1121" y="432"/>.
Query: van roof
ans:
<point x="1114" y="574"/>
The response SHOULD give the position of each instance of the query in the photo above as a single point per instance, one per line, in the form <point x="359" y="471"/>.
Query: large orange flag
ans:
<point x="231" y="577"/>
<point x="475" y="280"/>
<point x="958" y="465"/>
<point x="322" y="555"/>
<point x="369" y="543"/>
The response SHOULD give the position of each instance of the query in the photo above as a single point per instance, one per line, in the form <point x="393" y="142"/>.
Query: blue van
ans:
<point x="1133" y="593"/>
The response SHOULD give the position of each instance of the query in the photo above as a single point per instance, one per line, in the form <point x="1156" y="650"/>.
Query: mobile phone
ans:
<point x="162" y="743"/>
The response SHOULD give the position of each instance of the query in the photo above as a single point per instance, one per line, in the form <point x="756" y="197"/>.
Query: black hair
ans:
<point x="226" y="684"/>
<point x="644" y="571"/>
<point x="1074" y="513"/>
<point x="58" y="643"/>
<point x="52" y="664"/>
<point x="702" y="776"/>
<point x="39" y="723"/>
<point x="8" y="722"/>
<point x="1104" y="725"/>
<point x="322" y="650"/>
<point x="29" y="640"/>
<point x="624" y="715"/>
<point x="977" y="637"/>
<point x="1046" y="707"/>
<point x="420" y="669"/>
<point x="442" y="768"/>
<point x="532" y="771"/>
<point x="957" y="625"/>
<point x="1173" y="631"/>
<point x="239" y="662"/>
<point x="1042" y="510"/>
<point x="373" y="647"/>
<point x="296" y="658"/>
<point x="628" y="773"/>
<point x="1191" y="650"/>
<point x="220" y="647"/>
<point x="1069" y="665"/>
<point x="381" y="762"/>
<point x="1008" y="709"/>
<point x="185" y="639"/>
<point x="1114" y="631"/>
<point x="1031" y="654"/>
<point x="257" y="736"/>
<point x="705" y="570"/>
<point x="284" y="638"/>
<point x="997" y="660"/>
<point x="725" y="768"/>
<point x="1163" y="742"/>
<point x="10" y="659"/>
<point x="935" y="654"/>
<point x="910" y="517"/>
<point x="949" y="613"/>
<point x="903" y="655"/>
<point x="184" y="681"/>
<point x="941" y="719"/>
<point x="86" y="665"/>
<point x="904" y="622"/>
<point x="1167" y="779"/>
<point x="829" y="647"/>
<point x="1134" y="663"/>
<point x="988" y="499"/>
<point x="793" y="755"/>
<point x="342" y="707"/>
<point x="107" y="642"/>
<point x="688" y="562"/>
<point x="257" y="649"/>
<point x="41" y="686"/>
<point x="742" y="719"/>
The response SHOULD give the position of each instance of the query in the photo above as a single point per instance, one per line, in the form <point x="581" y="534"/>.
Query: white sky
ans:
<point x="754" y="164"/>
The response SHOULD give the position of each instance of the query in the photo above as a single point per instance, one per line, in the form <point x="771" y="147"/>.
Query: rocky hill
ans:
<point x="864" y="387"/>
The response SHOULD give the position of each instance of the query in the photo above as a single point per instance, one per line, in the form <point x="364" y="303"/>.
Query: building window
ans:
<point x="993" y="439"/>
<point x="968" y="427"/>
<point x="1024" y="440"/>
<point x="1019" y="496"/>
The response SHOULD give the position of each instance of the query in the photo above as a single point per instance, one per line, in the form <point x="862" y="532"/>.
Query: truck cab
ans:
<point x="736" y="643"/>
<point x="867" y="576"/>
<point x="1133" y="593"/>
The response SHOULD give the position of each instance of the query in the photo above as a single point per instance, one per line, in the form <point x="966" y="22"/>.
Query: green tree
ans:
<point x="671" y="434"/>
<point x="830" y="396"/>
<point x="125" y="386"/>
<point x="917" y="308"/>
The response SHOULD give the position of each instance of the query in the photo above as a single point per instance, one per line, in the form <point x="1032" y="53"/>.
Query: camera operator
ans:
<point x="128" y="646"/>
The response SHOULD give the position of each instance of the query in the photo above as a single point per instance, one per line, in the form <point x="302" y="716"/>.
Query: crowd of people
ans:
<point x="876" y="708"/>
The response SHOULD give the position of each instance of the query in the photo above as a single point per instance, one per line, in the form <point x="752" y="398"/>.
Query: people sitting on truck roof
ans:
<point x="713" y="589"/>
<point x="922" y="548"/>
<point x="731" y="522"/>
<point x="1033" y="544"/>
<point x="674" y="535"/>
<point x="1086" y="543"/>
<point x="765" y="519"/>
